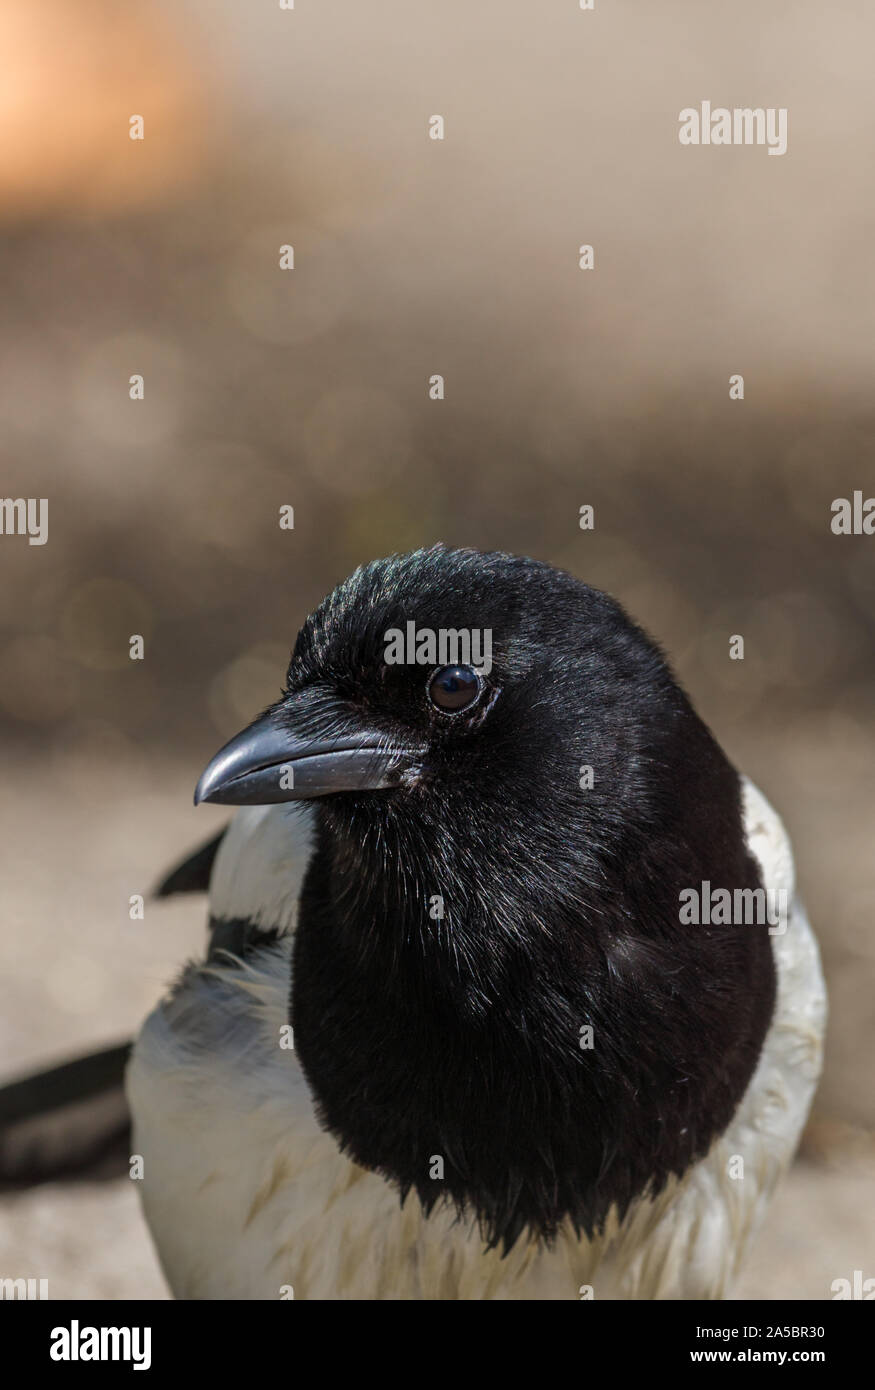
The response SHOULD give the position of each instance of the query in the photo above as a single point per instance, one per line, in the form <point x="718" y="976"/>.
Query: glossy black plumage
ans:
<point x="456" y="1037"/>
<point x="193" y="874"/>
<point x="459" y="1038"/>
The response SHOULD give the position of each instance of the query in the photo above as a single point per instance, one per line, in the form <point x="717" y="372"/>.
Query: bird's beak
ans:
<point x="268" y="762"/>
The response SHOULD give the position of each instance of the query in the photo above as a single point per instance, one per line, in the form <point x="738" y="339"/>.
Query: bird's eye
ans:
<point x="453" y="688"/>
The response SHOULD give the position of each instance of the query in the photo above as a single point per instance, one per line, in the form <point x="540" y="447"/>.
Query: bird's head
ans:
<point x="502" y="707"/>
<point x="511" y="791"/>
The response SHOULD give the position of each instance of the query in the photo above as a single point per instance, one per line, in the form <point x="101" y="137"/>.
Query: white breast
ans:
<point x="247" y="1197"/>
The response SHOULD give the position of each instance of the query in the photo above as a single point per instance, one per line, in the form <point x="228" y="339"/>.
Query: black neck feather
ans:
<point x="460" y="1039"/>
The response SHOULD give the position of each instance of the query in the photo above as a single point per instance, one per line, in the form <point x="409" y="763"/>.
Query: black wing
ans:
<point x="193" y="874"/>
<point x="72" y="1121"/>
<point x="66" y="1123"/>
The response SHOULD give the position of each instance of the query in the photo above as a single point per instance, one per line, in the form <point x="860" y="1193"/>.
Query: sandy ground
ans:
<point x="83" y="833"/>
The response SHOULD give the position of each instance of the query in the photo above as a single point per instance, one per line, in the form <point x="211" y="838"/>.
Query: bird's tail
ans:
<point x="71" y="1122"/>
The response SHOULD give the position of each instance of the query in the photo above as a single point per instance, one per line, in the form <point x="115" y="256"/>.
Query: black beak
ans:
<point x="269" y="762"/>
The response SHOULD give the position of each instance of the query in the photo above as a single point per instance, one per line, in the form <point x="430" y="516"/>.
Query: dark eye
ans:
<point x="454" y="687"/>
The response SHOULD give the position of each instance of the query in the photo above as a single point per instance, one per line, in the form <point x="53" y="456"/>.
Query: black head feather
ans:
<point x="459" y="1037"/>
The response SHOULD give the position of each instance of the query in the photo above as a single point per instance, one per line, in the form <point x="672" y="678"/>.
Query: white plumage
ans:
<point x="246" y="1196"/>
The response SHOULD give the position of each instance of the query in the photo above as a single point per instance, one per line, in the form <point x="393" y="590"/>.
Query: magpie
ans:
<point x="453" y="1036"/>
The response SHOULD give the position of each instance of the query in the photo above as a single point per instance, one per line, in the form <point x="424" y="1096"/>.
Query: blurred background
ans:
<point x="308" y="388"/>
